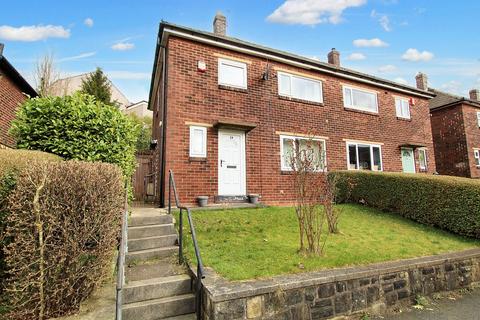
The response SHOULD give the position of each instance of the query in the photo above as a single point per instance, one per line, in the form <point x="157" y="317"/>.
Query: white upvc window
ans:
<point x="362" y="156"/>
<point x="422" y="158"/>
<point x="476" y="154"/>
<point x="478" y="118"/>
<point x="292" y="147"/>
<point x="198" y="142"/>
<point x="354" y="98"/>
<point x="402" y="107"/>
<point x="232" y="73"/>
<point x="294" y="86"/>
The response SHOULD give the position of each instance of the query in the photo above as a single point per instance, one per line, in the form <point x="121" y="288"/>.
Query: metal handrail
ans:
<point x="200" y="270"/>
<point x="123" y="248"/>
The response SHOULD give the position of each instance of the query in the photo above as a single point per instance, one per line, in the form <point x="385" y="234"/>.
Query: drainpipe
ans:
<point x="164" y="127"/>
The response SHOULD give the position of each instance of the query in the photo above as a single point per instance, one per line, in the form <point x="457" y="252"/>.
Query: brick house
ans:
<point x="227" y="113"/>
<point x="13" y="91"/>
<point x="456" y="133"/>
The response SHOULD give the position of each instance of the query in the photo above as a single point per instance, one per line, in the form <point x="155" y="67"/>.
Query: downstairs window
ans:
<point x="364" y="156"/>
<point x="310" y="149"/>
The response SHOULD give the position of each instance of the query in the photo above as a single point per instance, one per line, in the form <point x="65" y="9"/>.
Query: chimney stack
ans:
<point x="220" y="24"/>
<point x="334" y="57"/>
<point x="422" y="81"/>
<point x="475" y="94"/>
<point x="1" y="48"/>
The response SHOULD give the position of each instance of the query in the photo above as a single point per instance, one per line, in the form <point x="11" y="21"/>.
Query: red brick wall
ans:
<point x="10" y="98"/>
<point x="473" y="137"/>
<point x="196" y="97"/>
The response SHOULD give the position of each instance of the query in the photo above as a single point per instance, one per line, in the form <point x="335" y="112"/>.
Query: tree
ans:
<point x="144" y="133"/>
<point x="46" y="74"/>
<point x="77" y="127"/>
<point x="98" y="85"/>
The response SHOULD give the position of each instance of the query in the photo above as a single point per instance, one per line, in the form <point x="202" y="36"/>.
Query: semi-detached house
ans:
<point x="227" y="113"/>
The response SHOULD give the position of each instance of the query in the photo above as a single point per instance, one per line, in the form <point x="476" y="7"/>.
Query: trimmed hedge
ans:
<point x="449" y="203"/>
<point x="64" y="218"/>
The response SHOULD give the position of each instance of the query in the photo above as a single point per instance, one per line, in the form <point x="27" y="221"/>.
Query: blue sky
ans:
<point x="393" y="39"/>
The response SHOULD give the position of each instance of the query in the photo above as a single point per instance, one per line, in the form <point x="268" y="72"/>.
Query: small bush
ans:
<point x="449" y="203"/>
<point x="64" y="218"/>
<point x="77" y="127"/>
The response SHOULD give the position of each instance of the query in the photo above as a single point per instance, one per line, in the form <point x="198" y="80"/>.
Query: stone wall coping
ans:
<point x="222" y="290"/>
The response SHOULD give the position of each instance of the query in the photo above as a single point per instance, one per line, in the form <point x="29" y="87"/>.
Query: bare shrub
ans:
<point x="64" y="218"/>
<point x="46" y="74"/>
<point x="307" y="161"/>
<point x="329" y="200"/>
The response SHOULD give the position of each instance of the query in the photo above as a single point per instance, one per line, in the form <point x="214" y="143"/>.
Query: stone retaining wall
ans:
<point x="329" y="293"/>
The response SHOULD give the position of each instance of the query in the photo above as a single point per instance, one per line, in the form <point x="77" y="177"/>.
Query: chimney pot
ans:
<point x="334" y="57"/>
<point x="220" y="24"/>
<point x="422" y="81"/>
<point x="1" y="48"/>
<point x="475" y="94"/>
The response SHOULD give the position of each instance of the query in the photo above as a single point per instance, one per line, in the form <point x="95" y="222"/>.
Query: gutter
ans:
<point x="169" y="31"/>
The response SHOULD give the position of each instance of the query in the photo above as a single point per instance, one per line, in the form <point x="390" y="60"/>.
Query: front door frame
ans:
<point x="413" y="158"/>
<point x="242" y="161"/>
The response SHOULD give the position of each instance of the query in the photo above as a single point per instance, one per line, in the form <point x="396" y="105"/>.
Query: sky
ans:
<point x="392" y="39"/>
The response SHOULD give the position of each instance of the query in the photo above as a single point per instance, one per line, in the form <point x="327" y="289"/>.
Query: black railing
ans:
<point x="181" y="260"/>
<point x="122" y="250"/>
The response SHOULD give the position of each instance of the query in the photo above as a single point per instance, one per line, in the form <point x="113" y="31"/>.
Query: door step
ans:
<point x="231" y="199"/>
<point x="159" y="308"/>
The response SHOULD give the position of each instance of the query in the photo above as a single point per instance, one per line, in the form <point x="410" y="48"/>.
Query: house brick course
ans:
<point x="194" y="96"/>
<point x="10" y="98"/>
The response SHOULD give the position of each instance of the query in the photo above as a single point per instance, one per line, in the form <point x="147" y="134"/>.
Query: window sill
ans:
<point x="225" y="87"/>
<point x="197" y="159"/>
<point x="321" y="104"/>
<point x="404" y="119"/>
<point x="361" y="111"/>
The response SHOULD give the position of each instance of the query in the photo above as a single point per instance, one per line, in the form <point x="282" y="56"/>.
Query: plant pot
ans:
<point x="253" y="198"/>
<point x="202" y="201"/>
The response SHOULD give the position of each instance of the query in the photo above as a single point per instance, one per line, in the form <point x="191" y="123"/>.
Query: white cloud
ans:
<point x="356" y="56"/>
<point x="128" y="75"/>
<point x="453" y="86"/>
<point x="88" y="22"/>
<point x="78" y="57"/>
<point x="375" y="42"/>
<point x="312" y="12"/>
<point x="383" y="19"/>
<point x="415" y="55"/>
<point x="33" y="33"/>
<point x="387" y="68"/>
<point x="401" y="81"/>
<point x="123" y="46"/>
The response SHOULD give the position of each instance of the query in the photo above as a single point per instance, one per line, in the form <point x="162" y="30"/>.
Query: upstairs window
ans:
<point x="476" y="154"/>
<point x="403" y="108"/>
<point x="364" y="157"/>
<point x="358" y="99"/>
<point x="292" y="148"/>
<point x="232" y="73"/>
<point x="422" y="159"/>
<point x="298" y="87"/>
<point x="478" y="118"/>
<point x="198" y="142"/>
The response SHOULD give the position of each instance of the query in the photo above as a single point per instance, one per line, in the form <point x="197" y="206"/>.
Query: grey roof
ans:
<point x="444" y="99"/>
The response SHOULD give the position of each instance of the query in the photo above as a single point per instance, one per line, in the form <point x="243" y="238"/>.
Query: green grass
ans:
<point x="257" y="243"/>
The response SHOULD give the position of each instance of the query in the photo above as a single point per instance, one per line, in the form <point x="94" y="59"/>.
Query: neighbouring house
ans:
<point x="69" y="85"/>
<point x="228" y="113"/>
<point x="456" y="133"/>
<point x="14" y="89"/>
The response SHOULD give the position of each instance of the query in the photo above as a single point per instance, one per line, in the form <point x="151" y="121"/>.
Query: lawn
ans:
<point x="257" y="243"/>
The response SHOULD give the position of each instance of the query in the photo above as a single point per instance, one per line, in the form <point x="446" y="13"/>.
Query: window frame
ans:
<point x="353" y="107"/>
<point x="285" y="167"/>
<point x="476" y="156"/>
<point x="371" y="145"/>
<point x="400" y="99"/>
<point x="234" y="63"/>
<point x="291" y="95"/>
<point x="204" y="147"/>
<point x="478" y="119"/>
<point x="425" y="167"/>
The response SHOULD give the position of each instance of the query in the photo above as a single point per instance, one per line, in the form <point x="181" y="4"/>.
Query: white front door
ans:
<point x="408" y="160"/>
<point x="231" y="163"/>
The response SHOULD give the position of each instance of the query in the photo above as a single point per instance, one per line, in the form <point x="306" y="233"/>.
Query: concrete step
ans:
<point x="159" y="308"/>
<point x="142" y="255"/>
<point x="152" y="242"/>
<point x="154" y="230"/>
<point x="154" y="269"/>
<point x="136" y="221"/>
<point x="155" y="288"/>
<point x="190" y="316"/>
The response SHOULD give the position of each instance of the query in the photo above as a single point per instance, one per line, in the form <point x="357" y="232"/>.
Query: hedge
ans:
<point x="64" y="218"/>
<point x="11" y="163"/>
<point x="449" y="203"/>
